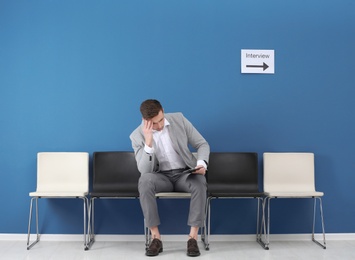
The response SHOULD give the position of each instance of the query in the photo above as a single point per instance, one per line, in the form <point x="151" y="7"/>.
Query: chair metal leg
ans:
<point x="258" y="221"/>
<point x="91" y="221"/>
<point x="29" y="246"/>
<point x="205" y="232"/>
<point x="203" y="228"/>
<point x="147" y="235"/>
<point x="263" y="228"/>
<point x="323" y="245"/>
<point x="86" y="208"/>
<point x="260" y="226"/>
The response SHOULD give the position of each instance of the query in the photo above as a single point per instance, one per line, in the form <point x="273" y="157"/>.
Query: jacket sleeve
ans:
<point x="197" y="141"/>
<point x="145" y="161"/>
<point x="185" y="133"/>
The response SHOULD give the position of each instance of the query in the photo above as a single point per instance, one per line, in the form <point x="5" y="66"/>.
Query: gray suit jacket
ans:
<point x="182" y="133"/>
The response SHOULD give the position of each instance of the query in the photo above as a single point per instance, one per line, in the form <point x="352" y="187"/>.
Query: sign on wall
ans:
<point x="258" y="61"/>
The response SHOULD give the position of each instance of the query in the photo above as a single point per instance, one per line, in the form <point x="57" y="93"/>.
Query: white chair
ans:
<point x="60" y="175"/>
<point x="290" y="175"/>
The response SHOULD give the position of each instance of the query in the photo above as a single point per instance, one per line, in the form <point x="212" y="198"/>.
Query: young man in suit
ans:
<point x="161" y="149"/>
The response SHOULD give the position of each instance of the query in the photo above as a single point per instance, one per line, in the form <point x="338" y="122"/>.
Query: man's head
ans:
<point x="153" y="111"/>
<point x="150" y="108"/>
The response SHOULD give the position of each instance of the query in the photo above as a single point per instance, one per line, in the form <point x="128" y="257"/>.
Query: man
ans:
<point x="161" y="149"/>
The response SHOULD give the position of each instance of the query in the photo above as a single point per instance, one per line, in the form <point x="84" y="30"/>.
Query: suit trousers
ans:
<point x="151" y="183"/>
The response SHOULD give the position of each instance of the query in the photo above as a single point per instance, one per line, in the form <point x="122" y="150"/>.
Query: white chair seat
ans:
<point x="57" y="194"/>
<point x="294" y="194"/>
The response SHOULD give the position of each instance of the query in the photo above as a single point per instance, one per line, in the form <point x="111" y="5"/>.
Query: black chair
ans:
<point x="232" y="175"/>
<point x="115" y="176"/>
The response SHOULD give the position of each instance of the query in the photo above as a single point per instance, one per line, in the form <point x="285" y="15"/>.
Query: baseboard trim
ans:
<point x="137" y="238"/>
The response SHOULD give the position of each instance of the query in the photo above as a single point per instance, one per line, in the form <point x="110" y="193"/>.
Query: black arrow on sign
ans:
<point x="264" y="66"/>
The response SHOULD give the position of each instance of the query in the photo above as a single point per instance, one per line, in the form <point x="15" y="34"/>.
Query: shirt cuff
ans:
<point x="202" y="162"/>
<point x="148" y="149"/>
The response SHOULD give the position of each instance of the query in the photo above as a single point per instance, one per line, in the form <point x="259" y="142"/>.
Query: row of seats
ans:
<point x="232" y="175"/>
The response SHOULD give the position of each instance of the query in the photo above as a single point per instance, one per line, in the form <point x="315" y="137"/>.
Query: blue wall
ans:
<point x="73" y="74"/>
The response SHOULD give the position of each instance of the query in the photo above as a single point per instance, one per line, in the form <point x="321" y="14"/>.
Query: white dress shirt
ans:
<point x="167" y="156"/>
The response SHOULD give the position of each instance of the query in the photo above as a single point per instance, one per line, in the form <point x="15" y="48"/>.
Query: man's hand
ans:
<point x="148" y="132"/>
<point x="200" y="170"/>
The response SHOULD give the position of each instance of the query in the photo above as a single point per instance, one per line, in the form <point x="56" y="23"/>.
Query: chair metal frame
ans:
<point x="48" y="189"/>
<point x="206" y="233"/>
<point x="91" y="218"/>
<point x="31" y="244"/>
<point x="310" y="193"/>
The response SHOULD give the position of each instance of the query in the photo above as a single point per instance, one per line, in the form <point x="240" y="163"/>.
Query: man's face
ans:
<point x="158" y="121"/>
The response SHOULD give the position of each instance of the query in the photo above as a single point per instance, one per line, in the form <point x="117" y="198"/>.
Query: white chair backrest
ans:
<point x="62" y="172"/>
<point x="289" y="172"/>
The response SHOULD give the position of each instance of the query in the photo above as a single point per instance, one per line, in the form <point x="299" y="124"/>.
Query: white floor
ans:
<point x="300" y="250"/>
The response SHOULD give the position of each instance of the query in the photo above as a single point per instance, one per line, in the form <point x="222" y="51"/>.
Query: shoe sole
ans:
<point x="151" y="254"/>
<point x="193" y="254"/>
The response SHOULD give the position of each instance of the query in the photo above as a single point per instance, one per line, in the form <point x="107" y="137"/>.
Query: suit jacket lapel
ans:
<point x="174" y="136"/>
<point x="174" y="139"/>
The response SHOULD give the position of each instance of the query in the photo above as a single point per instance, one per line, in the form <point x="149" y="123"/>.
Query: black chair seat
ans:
<point x="114" y="194"/>
<point x="226" y="194"/>
<point x="231" y="188"/>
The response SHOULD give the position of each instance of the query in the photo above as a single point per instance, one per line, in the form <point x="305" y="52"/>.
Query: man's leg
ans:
<point x="155" y="232"/>
<point x="149" y="184"/>
<point x="196" y="184"/>
<point x="194" y="232"/>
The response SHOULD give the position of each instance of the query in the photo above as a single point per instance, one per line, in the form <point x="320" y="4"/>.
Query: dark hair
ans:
<point x="150" y="108"/>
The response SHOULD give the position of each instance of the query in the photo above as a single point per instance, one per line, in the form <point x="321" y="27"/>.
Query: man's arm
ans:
<point x="183" y="133"/>
<point x="197" y="141"/>
<point x="145" y="161"/>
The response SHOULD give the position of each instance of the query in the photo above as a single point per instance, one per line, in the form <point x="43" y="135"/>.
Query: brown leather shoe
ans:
<point x="155" y="247"/>
<point x="192" y="248"/>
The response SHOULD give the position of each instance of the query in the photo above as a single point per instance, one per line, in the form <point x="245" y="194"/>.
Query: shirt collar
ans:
<point x="166" y="123"/>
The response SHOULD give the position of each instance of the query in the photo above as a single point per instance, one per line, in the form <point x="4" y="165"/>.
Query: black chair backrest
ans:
<point x="233" y="172"/>
<point x="115" y="172"/>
